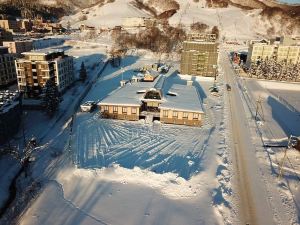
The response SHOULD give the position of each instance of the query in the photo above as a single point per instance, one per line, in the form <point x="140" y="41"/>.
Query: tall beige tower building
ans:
<point x="199" y="56"/>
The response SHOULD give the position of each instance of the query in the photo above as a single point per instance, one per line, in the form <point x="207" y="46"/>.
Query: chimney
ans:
<point x="189" y="83"/>
<point x="122" y="83"/>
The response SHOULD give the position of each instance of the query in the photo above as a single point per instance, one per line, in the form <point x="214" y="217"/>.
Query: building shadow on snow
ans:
<point x="288" y="120"/>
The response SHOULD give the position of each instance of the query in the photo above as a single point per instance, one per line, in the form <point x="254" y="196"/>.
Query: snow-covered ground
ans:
<point x="140" y="173"/>
<point x="155" y="173"/>
<point x="234" y="23"/>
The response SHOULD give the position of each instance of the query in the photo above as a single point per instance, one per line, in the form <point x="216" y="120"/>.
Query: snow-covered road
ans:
<point x="254" y="207"/>
<point x="273" y="200"/>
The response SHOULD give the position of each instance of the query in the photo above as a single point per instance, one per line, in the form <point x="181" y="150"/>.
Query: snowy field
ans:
<point x="158" y="148"/>
<point x="141" y="173"/>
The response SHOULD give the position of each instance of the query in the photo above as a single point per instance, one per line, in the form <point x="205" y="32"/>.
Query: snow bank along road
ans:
<point x="254" y="206"/>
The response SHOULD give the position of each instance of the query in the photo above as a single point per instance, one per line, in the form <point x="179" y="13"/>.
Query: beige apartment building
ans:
<point x="7" y="67"/>
<point x="18" y="47"/>
<point x="199" y="56"/>
<point x="283" y="48"/>
<point x="37" y="67"/>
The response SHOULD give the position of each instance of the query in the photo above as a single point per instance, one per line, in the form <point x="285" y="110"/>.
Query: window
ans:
<point x="195" y="116"/>
<point x="133" y="110"/>
<point x="165" y="113"/>
<point x="115" y="109"/>
<point x="175" y="114"/>
<point x="185" y="115"/>
<point x="105" y="108"/>
<point x="124" y="110"/>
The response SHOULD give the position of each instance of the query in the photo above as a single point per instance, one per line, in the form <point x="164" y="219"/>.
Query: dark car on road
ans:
<point x="228" y="87"/>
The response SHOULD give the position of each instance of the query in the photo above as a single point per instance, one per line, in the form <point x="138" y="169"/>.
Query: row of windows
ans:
<point x="6" y="58"/>
<point x="124" y="109"/>
<point x="184" y="116"/>
<point x="7" y="71"/>
<point x="165" y="112"/>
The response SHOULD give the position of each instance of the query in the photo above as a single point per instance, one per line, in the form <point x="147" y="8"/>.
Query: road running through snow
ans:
<point x="255" y="208"/>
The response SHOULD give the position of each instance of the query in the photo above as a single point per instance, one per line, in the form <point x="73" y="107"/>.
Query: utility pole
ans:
<point x="259" y="105"/>
<point x="291" y="144"/>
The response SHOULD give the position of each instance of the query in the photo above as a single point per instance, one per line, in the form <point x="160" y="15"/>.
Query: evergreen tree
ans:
<point x="82" y="73"/>
<point x="69" y="25"/>
<point x="51" y="97"/>
<point x="215" y="30"/>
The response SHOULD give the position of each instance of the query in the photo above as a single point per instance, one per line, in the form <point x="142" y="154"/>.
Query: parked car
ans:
<point x="228" y="87"/>
<point x="88" y="106"/>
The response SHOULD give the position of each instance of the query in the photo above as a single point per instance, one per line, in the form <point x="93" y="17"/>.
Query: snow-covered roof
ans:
<point x="128" y="95"/>
<point x="44" y="52"/>
<point x="182" y="98"/>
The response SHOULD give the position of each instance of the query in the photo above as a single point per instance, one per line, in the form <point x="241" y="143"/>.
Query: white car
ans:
<point x="88" y="106"/>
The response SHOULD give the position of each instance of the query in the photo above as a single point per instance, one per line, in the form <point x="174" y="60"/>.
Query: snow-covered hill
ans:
<point x="109" y="15"/>
<point x="234" y="22"/>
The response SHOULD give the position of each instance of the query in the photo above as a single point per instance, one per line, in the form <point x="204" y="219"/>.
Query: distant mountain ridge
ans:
<point x="276" y="18"/>
<point x="49" y="9"/>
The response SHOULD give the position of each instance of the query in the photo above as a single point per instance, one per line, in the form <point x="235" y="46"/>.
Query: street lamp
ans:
<point x="215" y="71"/>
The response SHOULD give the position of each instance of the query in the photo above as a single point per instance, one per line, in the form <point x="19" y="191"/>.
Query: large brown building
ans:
<point x="18" y="47"/>
<point x="37" y="67"/>
<point x="199" y="56"/>
<point x="7" y="67"/>
<point x="159" y="100"/>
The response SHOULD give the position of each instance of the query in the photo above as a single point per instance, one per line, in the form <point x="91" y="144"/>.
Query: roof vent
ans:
<point x="122" y="83"/>
<point x="189" y="83"/>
